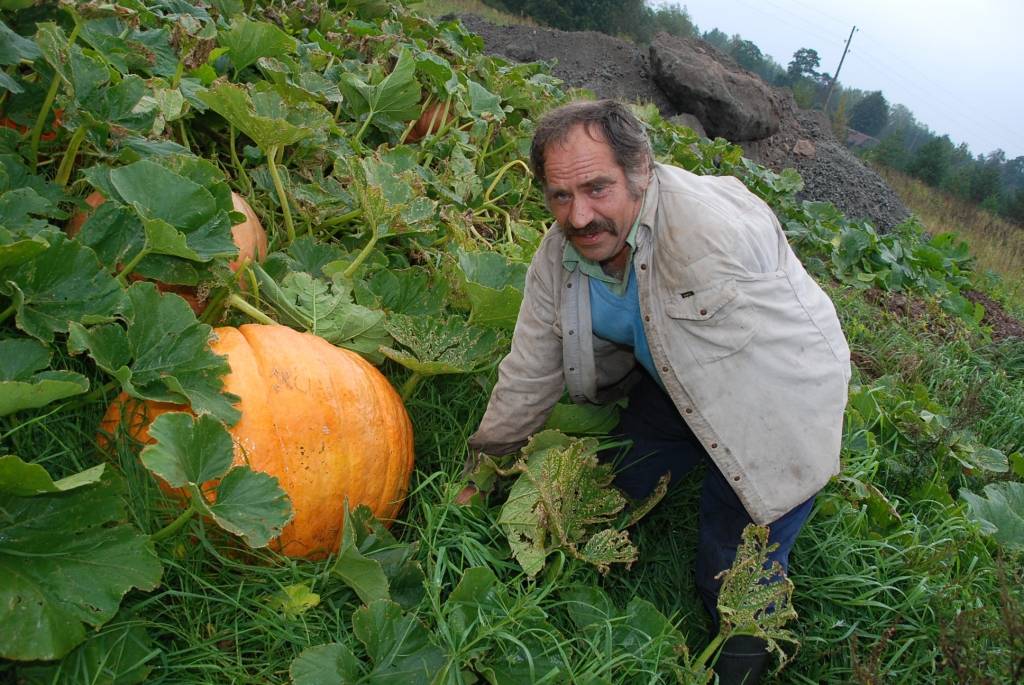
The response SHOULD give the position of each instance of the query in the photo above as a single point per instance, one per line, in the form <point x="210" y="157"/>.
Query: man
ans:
<point x="682" y="291"/>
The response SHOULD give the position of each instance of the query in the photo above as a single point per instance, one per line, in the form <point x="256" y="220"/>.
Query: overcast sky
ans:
<point x="958" y="65"/>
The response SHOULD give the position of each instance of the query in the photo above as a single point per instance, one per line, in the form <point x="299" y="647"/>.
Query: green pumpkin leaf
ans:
<point x="249" y="40"/>
<point x="374" y="564"/>
<point x="15" y="48"/>
<point x="20" y="209"/>
<point x="61" y="285"/>
<point x="67" y="559"/>
<point x="264" y="115"/>
<point x="23" y="384"/>
<point x="24" y="480"/>
<point x="188" y="453"/>
<point x="396" y="99"/>
<point x="442" y="345"/>
<point x="583" y="419"/>
<point x="484" y="104"/>
<point x="1000" y="512"/>
<point x="494" y="286"/>
<point x="564" y="499"/>
<point x="330" y="664"/>
<point x="294" y="600"/>
<point x="326" y="309"/>
<point x="125" y="106"/>
<point x="365" y="576"/>
<point x="746" y="595"/>
<point x="119" y="654"/>
<point x="20" y="252"/>
<point x="398" y="644"/>
<point x="408" y="291"/>
<point x="252" y="505"/>
<point x="163" y="354"/>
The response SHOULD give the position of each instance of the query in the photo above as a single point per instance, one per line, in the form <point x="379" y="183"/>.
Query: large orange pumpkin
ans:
<point x="249" y="236"/>
<point x="321" y="419"/>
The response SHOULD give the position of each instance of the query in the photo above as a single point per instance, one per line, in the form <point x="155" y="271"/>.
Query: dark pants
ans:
<point x="662" y="442"/>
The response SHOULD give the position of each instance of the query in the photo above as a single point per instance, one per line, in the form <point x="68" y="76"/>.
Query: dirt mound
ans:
<point x="608" y="66"/>
<point x="617" y="69"/>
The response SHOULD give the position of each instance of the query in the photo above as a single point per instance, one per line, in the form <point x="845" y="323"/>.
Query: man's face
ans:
<point x="588" y="194"/>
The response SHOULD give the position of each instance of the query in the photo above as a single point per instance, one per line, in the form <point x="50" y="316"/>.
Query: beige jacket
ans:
<point x="747" y="345"/>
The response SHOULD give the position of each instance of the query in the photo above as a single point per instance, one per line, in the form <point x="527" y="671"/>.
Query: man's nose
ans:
<point x="581" y="214"/>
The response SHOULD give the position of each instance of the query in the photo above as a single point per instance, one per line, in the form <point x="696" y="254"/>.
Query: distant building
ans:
<point x="860" y="141"/>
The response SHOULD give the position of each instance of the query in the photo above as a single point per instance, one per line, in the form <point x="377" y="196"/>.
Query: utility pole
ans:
<point x="836" y="77"/>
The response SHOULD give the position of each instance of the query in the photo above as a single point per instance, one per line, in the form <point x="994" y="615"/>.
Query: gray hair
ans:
<point x="624" y="133"/>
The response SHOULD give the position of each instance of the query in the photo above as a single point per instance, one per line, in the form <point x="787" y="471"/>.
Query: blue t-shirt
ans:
<point x="616" y="317"/>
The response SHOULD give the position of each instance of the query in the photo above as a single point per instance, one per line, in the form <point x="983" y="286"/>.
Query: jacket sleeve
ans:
<point x="530" y="378"/>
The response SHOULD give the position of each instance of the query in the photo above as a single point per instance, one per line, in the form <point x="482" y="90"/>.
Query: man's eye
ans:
<point x="598" y="190"/>
<point x="560" y="198"/>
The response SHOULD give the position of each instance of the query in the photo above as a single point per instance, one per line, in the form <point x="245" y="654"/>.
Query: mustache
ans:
<point x="594" y="227"/>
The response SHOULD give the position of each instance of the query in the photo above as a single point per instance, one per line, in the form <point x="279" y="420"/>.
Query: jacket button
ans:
<point x="689" y="410"/>
<point x="572" y="368"/>
<point x="643" y="267"/>
<point x="736" y="479"/>
<point x="703" y="312"/>
<point x="647" y="318"/>
<point x="714" y="445"/>
<point x="571" y="332"/>
<point x="568" y="285"/>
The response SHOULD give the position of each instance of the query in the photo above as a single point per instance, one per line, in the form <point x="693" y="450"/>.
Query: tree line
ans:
<point x="892" y="136"/>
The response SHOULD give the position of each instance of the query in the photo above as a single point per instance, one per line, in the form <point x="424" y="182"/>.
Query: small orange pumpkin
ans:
<point x="430" y="121"/>
<point x="321" y="419"/>
<point x="249" y="236"/>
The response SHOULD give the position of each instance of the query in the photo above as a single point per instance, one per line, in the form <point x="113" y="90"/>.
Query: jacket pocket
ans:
<point x="713" y="322"/>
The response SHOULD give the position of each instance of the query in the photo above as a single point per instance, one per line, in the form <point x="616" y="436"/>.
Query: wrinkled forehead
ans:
<point x="584" y="131"/>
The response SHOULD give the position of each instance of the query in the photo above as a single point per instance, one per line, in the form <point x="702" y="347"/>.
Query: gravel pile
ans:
<point x="617" y="69"/>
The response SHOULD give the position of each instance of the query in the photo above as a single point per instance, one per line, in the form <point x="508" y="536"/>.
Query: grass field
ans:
<point x="997" y="244"/>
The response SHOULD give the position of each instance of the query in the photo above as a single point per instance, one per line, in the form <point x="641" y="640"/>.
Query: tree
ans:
<point x="892" y="150"/>
<point x="870" y="114"/>
<point x="675" y="20"/>
<point x="805" y="62"/>
<point x="985" y="181"/>
<point x="717" y="39"/>
<point x="840" y="120"/>
<point x="746" y="54"/>
<point x="931" y="162"/>
<point x="1013" y="207"/>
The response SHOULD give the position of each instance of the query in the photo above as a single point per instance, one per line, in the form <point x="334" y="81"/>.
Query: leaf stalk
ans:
<point x="247" y="309"/>
<point x="68" y="161"/>
<point x="174" y="526"/>
<point x="279" y="187"/>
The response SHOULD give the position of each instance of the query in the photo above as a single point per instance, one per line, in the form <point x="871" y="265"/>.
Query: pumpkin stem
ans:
<point x="240" y="174"/>
<point x="410" y="385"/>
<point x="51" y="94"/>
<point x="246" y="308"/>
<point x="350" y="271"/>
<point x="279" y="187"/>
<point x="130" y="266"/>
<point x="712" y="647"/>
<point x="174" y="526"/>
<point x="68" y="162"/>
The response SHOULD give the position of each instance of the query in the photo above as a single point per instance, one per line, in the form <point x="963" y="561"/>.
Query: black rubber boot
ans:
<point x="742" y="661"/>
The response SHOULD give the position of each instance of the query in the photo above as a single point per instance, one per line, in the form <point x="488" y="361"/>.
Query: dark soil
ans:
<point x="617" y="69"/>
<point x="1002" y="324"/>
